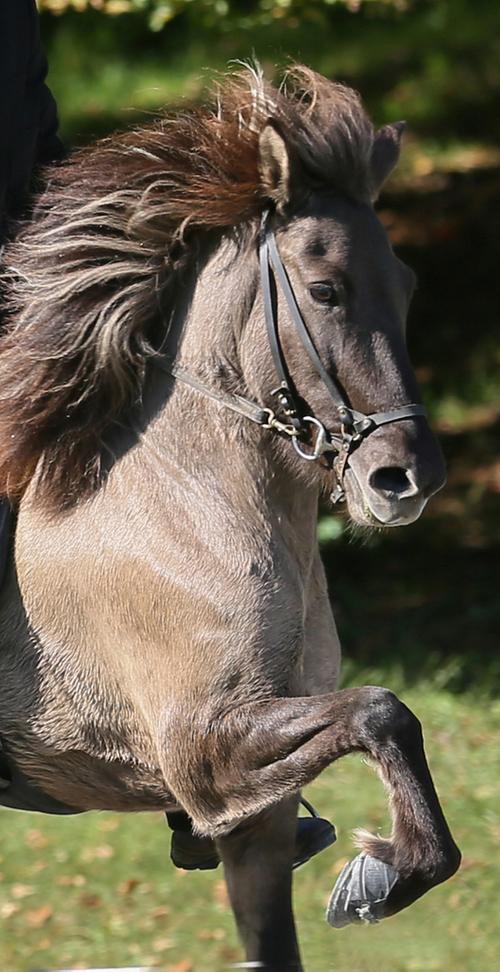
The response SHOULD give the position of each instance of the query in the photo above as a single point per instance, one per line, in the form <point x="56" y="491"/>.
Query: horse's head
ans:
<point x="168" y="201"/>
<point x="353" y="294"/>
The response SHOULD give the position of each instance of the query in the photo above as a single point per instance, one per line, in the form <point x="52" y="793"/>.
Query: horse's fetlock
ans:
<point x="448" y="863"/>
<point x="435" y="867"/>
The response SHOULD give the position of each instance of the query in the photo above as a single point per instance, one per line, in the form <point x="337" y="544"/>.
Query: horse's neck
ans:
<point x="221" y="470"/>
<point x="219" y="456"/>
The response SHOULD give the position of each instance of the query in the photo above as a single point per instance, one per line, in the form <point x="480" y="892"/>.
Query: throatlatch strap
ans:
<point x="237" y="403"/>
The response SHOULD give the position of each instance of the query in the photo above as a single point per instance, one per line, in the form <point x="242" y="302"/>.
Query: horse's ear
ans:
<point x="275" y="166"/>
<point x="385" y="154"/>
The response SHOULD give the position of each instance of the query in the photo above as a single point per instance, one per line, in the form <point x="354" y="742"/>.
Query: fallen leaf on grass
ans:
<point x="101" y="853"/>
<point x="21" y="890"/>
<point x="126" y="887"/>
<point x="8" y="909"/>
<point x="423" y="964"/>
<point x="38" y="867"/>
<point x="71" y="880"/>
<point x="160" y="913"/>
<point x="162" y="944"/>
<point x="90" y="900"/>
<point x="211" y="934"/>
<point x="229" y="954"/>
<point x="38" y="916"/>
<point x="36" y="839"/>
<point x="107" y="826"/>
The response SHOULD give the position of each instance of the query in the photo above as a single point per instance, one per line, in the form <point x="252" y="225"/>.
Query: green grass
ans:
<point x="99" y="890"/>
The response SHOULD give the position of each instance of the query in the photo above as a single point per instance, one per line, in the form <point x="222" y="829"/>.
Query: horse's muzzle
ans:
<point x="389" y="486"/>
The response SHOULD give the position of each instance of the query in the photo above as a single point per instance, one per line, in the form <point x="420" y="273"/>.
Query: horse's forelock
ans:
<point x="331" y="131"/>
<point x="86" y="275"/>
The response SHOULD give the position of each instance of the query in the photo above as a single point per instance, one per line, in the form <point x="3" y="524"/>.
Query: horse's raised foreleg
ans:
<point x="257" y="861"/>
<point x="258" y="754"/>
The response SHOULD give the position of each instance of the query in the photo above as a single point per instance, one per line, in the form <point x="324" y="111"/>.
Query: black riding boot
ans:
<point x="187" y="850"/>
<point x="193" y="853"/>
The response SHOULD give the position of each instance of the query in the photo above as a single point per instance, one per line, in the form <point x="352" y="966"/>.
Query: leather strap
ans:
<point x="354" y="425"/>
<point x="237" y="403"/>
<point x="362" y="424"/>
<point x="269" y="253"/>
<point x="286" y="393"/>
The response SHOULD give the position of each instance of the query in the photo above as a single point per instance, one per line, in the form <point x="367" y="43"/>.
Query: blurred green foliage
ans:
<point x="435" y="62"/>
<point x="244" y="13"/>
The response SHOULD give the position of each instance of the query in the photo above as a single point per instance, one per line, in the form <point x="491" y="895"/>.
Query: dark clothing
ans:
<point x="28" y="131"/>
<point x="28" y="127"/>
<point x="28" y="113"/>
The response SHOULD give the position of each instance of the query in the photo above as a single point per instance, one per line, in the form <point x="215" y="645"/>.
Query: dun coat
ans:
<point x="166" y="635"/>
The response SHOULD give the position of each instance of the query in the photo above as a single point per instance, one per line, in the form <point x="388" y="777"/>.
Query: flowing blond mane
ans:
<point x="84" y="278"/>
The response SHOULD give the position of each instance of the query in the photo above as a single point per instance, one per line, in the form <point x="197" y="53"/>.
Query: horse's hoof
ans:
<point x="361" y="891"/>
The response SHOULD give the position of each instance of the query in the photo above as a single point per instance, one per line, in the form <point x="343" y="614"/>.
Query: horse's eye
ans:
<point x="324" y="293"/>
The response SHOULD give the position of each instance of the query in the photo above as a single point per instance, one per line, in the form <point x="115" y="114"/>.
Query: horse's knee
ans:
<point x="384" y="717"/>
<point x="224" y="770"/>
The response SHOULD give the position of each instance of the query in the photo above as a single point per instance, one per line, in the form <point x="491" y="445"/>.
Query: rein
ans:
<point x="354" y="426"/>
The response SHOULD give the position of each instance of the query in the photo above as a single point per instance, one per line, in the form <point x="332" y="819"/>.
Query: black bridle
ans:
<point x="291" y="420"/>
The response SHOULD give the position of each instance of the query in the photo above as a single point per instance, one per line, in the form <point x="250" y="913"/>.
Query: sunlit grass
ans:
<point x="99" y="890"/>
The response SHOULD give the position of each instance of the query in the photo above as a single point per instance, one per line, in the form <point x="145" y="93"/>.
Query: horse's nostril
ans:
<point x="393" y="480"/>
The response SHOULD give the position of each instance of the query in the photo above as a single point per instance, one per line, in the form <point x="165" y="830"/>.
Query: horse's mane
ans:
<point x="84" y="276"/>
